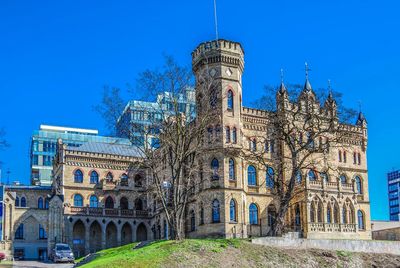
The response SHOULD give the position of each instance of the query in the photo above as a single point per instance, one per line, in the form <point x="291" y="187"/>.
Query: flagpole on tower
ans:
<point x="216" y="19"/>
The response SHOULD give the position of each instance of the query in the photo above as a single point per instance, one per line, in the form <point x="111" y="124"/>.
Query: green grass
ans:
<point x="156" y="253"/>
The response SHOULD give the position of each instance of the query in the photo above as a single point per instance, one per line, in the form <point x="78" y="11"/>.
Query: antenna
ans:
<point x="216" y="19"/>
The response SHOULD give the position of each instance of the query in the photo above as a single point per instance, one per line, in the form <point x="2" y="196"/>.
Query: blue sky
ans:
<point x="56" y="56"/>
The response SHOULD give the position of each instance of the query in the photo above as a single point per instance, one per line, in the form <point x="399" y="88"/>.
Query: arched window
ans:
<point x="324" y="176"/>
<point x="345" y="157"/>
<point x="19" y="233"/>
<point x="124" y="203"/>
<point x="230" y="100"/>
<point x="299" y="178"/>
<point x="17" y="201"/>
<point x="214" y="168"/>
<point x="312" y="212"/>
<point x="40" y="203"/>
<point x="270" y="179"/>
<point x="312" y="176"/>
<point x="234" y="135"/>
<point x="232" y="176"/>
<point x="215" y="211"/>
<point x="251" y="176"/>
<point x="329" y="214"/>
<point x="360" y="216"/>
<point x="192" y="221"/>
<point x="343" y="179"/>
<point x="23" y="202"/>
<point x="42" y="232"/>
<point x="253" y="214"/>
<point x="320" y="212"/>
<point x="359" y="185"/>
<point x="109" y="177"/>
<point x="94" y="201"/>
<point x="297" y="217"/>
<point x="354" y="158"/>
<point x="228" y="134"/>
<point x="344" y="215"/>
<point x="94" y="177"/>
<point x="78" y="176"/>
<point x="232" y="211"/>
<point x="336" y="213"/>
<point x="78" y="200"/>
<point x="359" y="158"/>
<point x="46" y="203"/>
<point x="340" y="156"/>
<point x="124" y="180"/>
<point x="109" y="202"/>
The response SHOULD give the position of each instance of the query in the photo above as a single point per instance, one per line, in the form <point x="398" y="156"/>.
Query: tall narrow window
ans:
<point x="232" y="176"/>
<point x="94" y="177"/>
<point x="214" y="168"/>
<point x="253" y="213"/>
<point x="78" y="176"/>
<point x="272" y="146"/>
<point x="232" y="211"/>
<point x="312" y="176"/>
<point x="42" y="232"/>
<point x="19" y="233"/>
<point x="78" y="200"/>
<point x="253" y="145"/>
<point x="23" y="202"/>
<point x="270" y="178"/>
<point x="340" y="156"/>
<point x="354" y="158"/>
<point x="320" y="212"/>
<point x="234" y="135"/>
<point x="297" y="217"/>
<point x="344" y="215"/>
<point x="228" y="134"/>
<point x="359" y="185"/>
<point x="251" y="176"/>
<point x="324" y="176"/>
<point x="343" y="179"/>
<point x="345" y="157"/>
<point x="94" y="201"/>
<point x="359" y="158"/>
<point x="312" y="212"/>
<point x="267" y="146"/>
<point x="215" y="211"/>
<point x="336" y="213"/>
<point x="202" y="214"/>
<point x="299" y="177"/>
<point x="230" y="100"/>
<point x="40" y="203"/>
<point x="329" y="214"/>
<point x="192" y="221"/>
<point x="17" y="201"/>
<point x="360" y="216"/>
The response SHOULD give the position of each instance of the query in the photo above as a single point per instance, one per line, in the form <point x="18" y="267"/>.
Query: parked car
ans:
<point x="62" y="253"/>
<point x="2" y="256"/>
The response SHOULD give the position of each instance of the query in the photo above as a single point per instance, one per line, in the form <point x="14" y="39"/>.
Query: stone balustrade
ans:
<point x="109" y="212"/>
<point x="332" y="227"/>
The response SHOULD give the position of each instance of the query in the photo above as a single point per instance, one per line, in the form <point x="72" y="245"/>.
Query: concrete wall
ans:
<point x="388" y="247"/>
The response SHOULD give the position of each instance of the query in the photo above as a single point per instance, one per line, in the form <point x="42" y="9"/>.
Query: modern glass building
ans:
<point x="394" y="195"/>
<point x="44" y="143"/>
<point x="138" y="121"/>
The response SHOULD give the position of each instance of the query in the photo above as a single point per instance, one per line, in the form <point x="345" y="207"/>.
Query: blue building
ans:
<point x="43" y="148"/>
<point x="138" y="121"/>
<point x="394" y="195"/>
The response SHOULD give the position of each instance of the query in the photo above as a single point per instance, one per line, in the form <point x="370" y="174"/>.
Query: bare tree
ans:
<point x="168" y="134"/>
<point x="300" y="136"/>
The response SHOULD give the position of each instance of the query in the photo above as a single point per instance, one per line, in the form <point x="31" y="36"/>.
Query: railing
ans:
<point x="348" y="228"/>
<point x="316" y="227"/>
<point x="332" y="227"/>
<point x="111" y="212"/>
<point x="333" y="185"/>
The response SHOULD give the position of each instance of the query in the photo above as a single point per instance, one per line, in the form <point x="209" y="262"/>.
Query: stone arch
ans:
<point x="109" y="202"/>
<point x="126" y="234"/>
<point x="124" y="202"/>
<point x="141" y="232"/>
<point x="111" y="235"/>
<point x="95" y="234"/>
<point x="25" y="216"/>
<point x="139" y="204"/>
<point x="78" y="238"/>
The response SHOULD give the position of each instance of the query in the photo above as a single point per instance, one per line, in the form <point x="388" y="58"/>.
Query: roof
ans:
<point x="69" y="129"/>
<point x="384" y="225"/>
<point x="106" y="148"/>
<point x="27" y="187"/>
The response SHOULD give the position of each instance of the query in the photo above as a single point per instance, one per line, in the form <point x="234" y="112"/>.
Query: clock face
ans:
<point x="213" y="72"/>
<point x="228" y="71"/>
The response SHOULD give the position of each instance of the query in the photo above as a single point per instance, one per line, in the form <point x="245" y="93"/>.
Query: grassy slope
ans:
<point x="232" y="253"/>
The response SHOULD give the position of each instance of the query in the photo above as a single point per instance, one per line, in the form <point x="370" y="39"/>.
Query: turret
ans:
<point x="282" y="96"/>
<point x="330" y="103"/>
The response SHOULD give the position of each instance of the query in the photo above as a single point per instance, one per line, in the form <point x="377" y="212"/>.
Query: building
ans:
<point x="394" y="195"/>
<point x="43" y="147"/>
<point x="386" y="230"/>
<point x="139" y="117"/>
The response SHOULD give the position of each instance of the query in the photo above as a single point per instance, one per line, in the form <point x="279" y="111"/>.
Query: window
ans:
<point x="251" y="176"/>
<point x="78" y="200"/>
<point x="94" y="177"/>
<point x="234" y="135"/>
<point x="360" y="216"/>
<point x="78" y="176"/>
<point x="17" y="201"/>
<point x="312" y="176"/>
<point x="354" y="158"/>
<point x="124" y="180"/>
<point x="109" y="202"/>
<point x="340" y="156"/>
<point x="344" y="215"/>
<point x="253" y="145"/>
<point x="40" y="203"/>
<point x="299" y="178"/>
<point x="343" y="179"/>
<point x="94" y="201"/>
<point x="359" y="185"/>
<point x="266" y="146"/>
<point x="232" y="176"/>
<point x="324" y="176"/>
<point x="109" y="177"/>
<point x="228" y="134"/>
<point x="359" y="158"/>
<point x="272" y="146"/>
<point x="270" y="178"/>
<point x="46" y="203"/>
<point x="23" y="202"/>
<point x="312" y="212"/>
<point x="214" y="168"/>
<point x="232" y="211"/>
<point x="344" y="157"/>
<point x="192" y="221"/>
<point x="329" y="214"/>
<point x="230" y="100"/>
<point x="210" y="133"/>
<point x="253" y="214"/>
<point x="42" y="232"/>
<point x="320" y="212"/>
<point x="297" y="217"/>
<point x="201" y="215"/>
<point x="19" y="233"/>
<point x="215" y="211"/>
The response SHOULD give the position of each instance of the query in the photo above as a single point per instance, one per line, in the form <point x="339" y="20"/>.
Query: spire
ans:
<point x="282" y="87"/>
<point x="307" y="85"/>
<point x="361" y="120"/>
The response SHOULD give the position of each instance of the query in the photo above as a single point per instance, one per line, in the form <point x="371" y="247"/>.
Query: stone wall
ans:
<point x="388" y="247"/>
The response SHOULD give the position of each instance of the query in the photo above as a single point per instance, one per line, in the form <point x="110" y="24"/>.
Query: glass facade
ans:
<point x="44" y="144"/>
<point x="394" y="195"/>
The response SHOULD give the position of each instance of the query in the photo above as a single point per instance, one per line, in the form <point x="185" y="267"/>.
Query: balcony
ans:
<point x="109" y="212"/>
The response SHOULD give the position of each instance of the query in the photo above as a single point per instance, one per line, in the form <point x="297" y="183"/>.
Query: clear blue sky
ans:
<point x="55" y="57"/>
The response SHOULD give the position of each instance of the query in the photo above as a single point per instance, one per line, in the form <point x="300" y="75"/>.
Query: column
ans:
<point x="103" y="237"/>
<point x="87" y="239"/>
